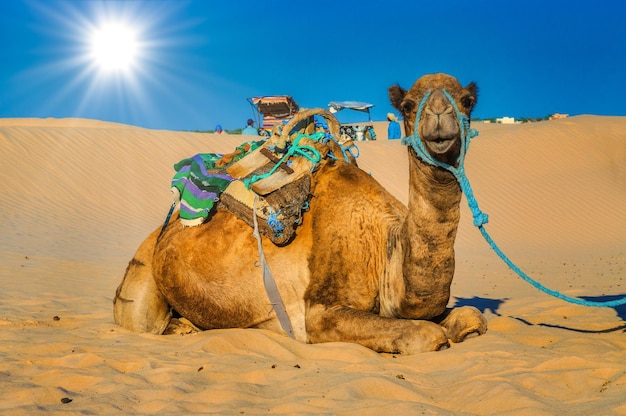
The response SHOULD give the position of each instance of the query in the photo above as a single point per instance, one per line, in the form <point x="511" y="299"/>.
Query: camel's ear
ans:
<point x="472" y="88"/>
<point x="396" y="95"/>
<point x="471" y="96"/>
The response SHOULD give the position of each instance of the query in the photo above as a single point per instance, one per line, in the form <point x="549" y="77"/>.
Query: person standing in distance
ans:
<point x="250" y="130"/>
<point x="393" y="130"/>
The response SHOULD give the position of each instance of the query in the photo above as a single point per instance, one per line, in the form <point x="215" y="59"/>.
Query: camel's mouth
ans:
<point x="440" y="145"/>
<point x="440" y="129"/>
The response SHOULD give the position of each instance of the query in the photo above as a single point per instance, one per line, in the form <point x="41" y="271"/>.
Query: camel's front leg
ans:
<point x="341" y="324"/>
<point x="463" y="323"/>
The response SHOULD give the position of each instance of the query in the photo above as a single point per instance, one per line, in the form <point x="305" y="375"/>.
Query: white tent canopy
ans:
<point x="352" y="105"/>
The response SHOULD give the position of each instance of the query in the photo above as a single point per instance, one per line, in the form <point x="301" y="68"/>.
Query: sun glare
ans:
<point x="114" y="47"/>
<point x="109" y="59"/>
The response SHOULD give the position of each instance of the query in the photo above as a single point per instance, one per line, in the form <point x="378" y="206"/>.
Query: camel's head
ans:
<point x="439" y="127"/>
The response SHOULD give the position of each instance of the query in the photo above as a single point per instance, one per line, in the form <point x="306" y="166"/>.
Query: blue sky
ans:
<point x="199" y="60"/>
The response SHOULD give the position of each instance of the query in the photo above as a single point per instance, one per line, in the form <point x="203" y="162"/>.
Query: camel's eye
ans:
<point x="468" y="102"/>
<point x="407" y="106"/>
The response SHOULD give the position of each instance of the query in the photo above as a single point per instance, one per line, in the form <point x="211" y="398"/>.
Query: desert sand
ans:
<point x="77" y="197"/>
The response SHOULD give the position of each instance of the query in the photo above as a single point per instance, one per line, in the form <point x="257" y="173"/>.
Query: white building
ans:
<point x="506" y="120"/>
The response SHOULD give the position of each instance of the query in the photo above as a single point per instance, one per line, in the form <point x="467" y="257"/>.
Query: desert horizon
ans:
<point x="78" y="196"/>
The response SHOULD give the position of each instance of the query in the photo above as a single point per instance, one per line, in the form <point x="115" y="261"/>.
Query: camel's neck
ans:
<point x="428" y="234"/>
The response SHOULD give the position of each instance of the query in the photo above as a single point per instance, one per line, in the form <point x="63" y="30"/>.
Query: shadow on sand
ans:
<point x="621" y="312"/>
<point x="492" y="305"/>
<point x="482" y="304"/>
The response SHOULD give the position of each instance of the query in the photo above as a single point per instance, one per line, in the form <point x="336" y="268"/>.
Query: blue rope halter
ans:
<point x="480" y="218"/>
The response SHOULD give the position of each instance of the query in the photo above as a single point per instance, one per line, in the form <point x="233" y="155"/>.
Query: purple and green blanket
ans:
<point x="199" y="181"/>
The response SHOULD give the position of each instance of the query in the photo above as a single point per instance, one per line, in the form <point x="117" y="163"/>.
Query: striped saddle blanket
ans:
<point x="200" y="180"/>
<point x="204" y="183"/>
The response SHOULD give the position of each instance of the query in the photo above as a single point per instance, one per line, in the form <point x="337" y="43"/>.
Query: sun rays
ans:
<point x="108" y="60"/>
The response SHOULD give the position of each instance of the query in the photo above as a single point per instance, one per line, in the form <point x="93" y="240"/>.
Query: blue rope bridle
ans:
<point x="480" y="218"/>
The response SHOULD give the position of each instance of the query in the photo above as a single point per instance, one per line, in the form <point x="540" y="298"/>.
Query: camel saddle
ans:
<point x="270" y="180"/>
<point x="279" y="176"/>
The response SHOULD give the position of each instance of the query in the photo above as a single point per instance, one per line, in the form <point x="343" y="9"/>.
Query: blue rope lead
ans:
<point x="520" y="273"/>
<point x="480" y="218"/>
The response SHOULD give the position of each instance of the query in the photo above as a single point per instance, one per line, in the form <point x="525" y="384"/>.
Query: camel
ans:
<point x="363" y="267"/>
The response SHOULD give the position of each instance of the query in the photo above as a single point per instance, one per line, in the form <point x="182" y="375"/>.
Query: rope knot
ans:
<point x="480" y="219"/>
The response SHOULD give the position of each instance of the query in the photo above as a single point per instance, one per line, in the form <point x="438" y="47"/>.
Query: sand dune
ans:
<point x="78" y="196"/>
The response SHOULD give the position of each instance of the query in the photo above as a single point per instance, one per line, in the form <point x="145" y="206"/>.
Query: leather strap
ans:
<point x="270" y="283"/>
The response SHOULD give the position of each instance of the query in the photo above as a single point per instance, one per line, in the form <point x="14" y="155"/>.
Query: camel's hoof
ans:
<point x="443" y="346"/>
<point x="471" y="334"/>
<point x="463" y="323"/>
<point x="180" y="326"/>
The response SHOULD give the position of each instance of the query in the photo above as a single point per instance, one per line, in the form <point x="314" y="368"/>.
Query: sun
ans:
<point x="112" y="59"/>
<point x="114" y="47"/>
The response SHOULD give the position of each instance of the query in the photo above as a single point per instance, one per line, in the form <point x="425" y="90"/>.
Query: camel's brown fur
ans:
<point x="363" y="267"/>
<point x="138" y="303"/>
